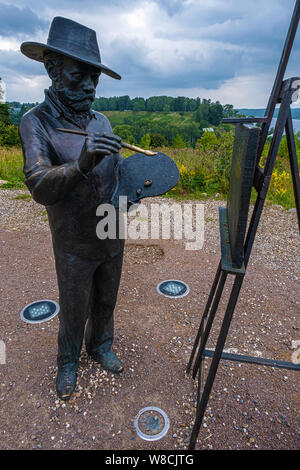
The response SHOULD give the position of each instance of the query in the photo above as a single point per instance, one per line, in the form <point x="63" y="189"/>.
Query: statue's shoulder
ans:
<point x="102" y="119"/>
<point x="100" y="116"/>
<point x="33" y="114"/>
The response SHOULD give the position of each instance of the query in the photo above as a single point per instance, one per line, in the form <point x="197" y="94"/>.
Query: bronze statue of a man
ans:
<point x="71" y="175"/>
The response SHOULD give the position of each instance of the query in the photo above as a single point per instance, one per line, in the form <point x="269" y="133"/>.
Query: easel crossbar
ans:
<point x="253" y="360"/>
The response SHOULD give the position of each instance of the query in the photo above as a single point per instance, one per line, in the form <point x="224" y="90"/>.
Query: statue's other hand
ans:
<point x="96" y="147"/>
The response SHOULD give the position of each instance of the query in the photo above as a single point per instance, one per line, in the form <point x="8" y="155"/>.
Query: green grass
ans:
<point x="11" y="168"/>
<point x="24" y="197"/>
<point x="127" y="117"/>
<point x="204" y="173"/>
<point x="44" y="215"/>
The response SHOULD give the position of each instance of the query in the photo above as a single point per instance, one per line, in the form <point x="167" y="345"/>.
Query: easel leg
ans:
<point x="201" y="327"/>
<point x="293" y="162"/>
<point x="201" y="406"/>
<point x="281" y="124"/>
<point x="210" y="319"/>
<point x="201" y="373"/>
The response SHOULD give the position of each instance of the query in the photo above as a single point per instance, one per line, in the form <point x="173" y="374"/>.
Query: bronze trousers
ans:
<point x="88" y="291"/>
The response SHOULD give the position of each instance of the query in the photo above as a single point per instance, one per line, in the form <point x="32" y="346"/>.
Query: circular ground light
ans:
<point x="39" y="311"/>
<point x="172" y="288"/>
<point x="151" y="423"/>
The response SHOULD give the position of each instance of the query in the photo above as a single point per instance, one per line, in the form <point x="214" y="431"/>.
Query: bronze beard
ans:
<point x="80" y="118"/>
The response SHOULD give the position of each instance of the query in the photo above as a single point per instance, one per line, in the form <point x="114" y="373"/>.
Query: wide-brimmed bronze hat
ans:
<point x="70" y="39"/>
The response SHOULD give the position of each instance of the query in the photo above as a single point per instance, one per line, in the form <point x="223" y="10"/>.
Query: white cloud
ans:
<point x="27" y="90"/>
<point x="221" y="49"/>
<point x="247" y="91"/>
<point x="9" y="44"/>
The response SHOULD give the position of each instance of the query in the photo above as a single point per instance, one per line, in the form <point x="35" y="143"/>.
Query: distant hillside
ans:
<point x="261" y="112"/>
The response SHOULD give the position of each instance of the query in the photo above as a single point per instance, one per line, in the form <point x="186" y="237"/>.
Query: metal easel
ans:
<point x="236" y="244"/>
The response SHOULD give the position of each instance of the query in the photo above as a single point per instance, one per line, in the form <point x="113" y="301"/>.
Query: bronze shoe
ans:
<point x="108" y="360"/>
<point x="66" y="381"/>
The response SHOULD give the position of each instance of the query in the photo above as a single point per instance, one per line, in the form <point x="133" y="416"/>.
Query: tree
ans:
<point x="124" y="102"/>
<point x="154" y="103"/>
<point x="8" y="132"/>
<point x="113" y="103"/>
<point x="204" y="124"/>
<point x="283" y="150"/>
<point x="146" y="141"/>
<point x="202" y="113"/>
<point x="158" y="140"/>
<point x="101" y="104"/>
<point x="178" y="142"/>
<point x="215" y="113"/>
<point x="1" y="90"/>
<point x="124" y="131"/>
<point x="138" y="104"/>
<point x="4" y="114"/>
<point x="179" y="103"/>
<point x="229" y="111"/>
<point x="208" y="140"/>
<point x="9" y="136"/>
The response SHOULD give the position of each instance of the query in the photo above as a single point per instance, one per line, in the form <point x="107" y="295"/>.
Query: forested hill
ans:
<point x="211" y="113"/>
<point x="159" y="120"/>
<point x="162" y="119"/>
<point x="261" y="112"/>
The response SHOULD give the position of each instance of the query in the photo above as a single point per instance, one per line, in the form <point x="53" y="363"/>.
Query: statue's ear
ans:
<point x="52" y="70"/>
<point x="52" y="67"/>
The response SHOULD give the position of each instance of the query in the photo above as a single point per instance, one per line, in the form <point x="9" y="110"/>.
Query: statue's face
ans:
<point x="76" y="84"/>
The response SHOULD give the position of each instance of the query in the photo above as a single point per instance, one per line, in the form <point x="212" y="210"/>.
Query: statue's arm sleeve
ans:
<point x="47" y="183"/>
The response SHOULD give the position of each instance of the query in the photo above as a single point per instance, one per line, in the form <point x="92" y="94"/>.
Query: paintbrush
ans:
<point x="124" y="144"/>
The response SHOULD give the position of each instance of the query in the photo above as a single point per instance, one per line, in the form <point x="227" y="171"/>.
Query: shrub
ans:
<point x="9" y="136"/>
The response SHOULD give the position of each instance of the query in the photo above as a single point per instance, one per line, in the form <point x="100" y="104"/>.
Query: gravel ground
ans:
<point x="250" y="407"/>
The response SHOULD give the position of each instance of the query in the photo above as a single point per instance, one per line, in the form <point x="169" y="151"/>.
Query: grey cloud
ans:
<point x="248" y="23"/>
<point x="257" y="27"/>
<point x="132" y="64"/>
<point x="74" y="4"/>
<point x="172" y="7"/>
<point x="15" y="63"/>
<point x="15" y="21"/>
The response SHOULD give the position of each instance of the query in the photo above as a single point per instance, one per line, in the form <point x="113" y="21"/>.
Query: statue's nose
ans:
<point x="88" y="84"/>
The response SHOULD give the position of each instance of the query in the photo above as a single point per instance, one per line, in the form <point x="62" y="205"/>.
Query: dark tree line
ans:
<point x="165" y="118"/>
<point x="8" y="131"/>
<point x="206" y="111"/>
<point x="17" y="110"/>
<point x="152" y="104"/>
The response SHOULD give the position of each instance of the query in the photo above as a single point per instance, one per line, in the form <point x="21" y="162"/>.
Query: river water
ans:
<point x="296" y="124"/>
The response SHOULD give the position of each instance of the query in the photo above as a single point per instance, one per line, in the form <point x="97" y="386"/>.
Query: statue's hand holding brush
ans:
<point x="95" y="148"/>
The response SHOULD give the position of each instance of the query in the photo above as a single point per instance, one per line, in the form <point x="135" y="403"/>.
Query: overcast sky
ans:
<point x="226" y="50"/>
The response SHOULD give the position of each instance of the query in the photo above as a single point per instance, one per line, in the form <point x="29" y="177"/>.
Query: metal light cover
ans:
<point x="152" y="437"/>
<point x="173" y="288"/>
<point x="39" y="311"/>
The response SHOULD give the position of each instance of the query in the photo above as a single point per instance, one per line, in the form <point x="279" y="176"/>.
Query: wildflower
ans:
<point x="182" y="169"/>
